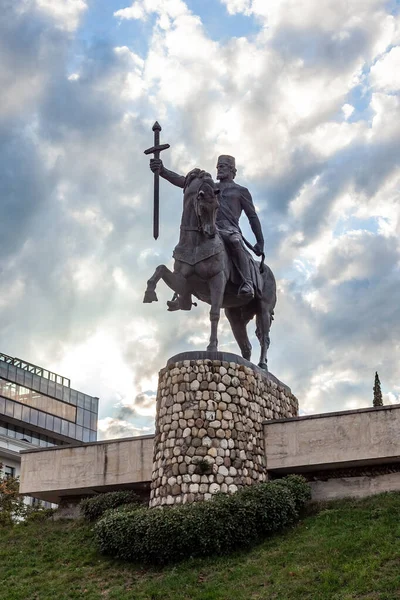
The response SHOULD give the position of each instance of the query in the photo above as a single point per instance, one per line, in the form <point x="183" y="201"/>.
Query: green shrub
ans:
<point x="12" y="505"/>
<point x="298" y="487"/>
<point x="38" y="515"/>
<point x="94" y="508"/>
<point x="123" y="508"/>
<point x="219" y="526"/>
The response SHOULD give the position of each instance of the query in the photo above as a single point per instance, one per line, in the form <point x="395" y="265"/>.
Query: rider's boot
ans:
<point x="246" y="289"/>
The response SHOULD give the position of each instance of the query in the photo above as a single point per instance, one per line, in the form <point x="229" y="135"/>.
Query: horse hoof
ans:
<point x="212" y="348"/>
<point x="263" y="365"/>
<point x="150" y="296"/>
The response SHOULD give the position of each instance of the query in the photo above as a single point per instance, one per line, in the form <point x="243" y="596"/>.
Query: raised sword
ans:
<point x="156" y="149"/>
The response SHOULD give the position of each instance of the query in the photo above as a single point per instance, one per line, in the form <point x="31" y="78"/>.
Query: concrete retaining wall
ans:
<point x="364" y="436"/>
<point x="331" y="450"/>
<point x="54" y="473"/>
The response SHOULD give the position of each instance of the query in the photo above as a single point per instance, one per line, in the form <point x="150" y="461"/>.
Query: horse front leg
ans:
<point x="174" y="280"/>
<point x="217" y="289"/>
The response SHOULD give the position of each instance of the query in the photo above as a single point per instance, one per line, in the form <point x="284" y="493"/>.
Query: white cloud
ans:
<point x="385" y="74"/>
<point x="66" y="13"/>
<point x="348" y="110"/>
<point x="237" y="6"/>
<point x="326" y="186"/>
<point x="141" y="9"/>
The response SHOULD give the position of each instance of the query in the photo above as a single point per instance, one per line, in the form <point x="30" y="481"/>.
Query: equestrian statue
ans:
<point x="211" y="261"/>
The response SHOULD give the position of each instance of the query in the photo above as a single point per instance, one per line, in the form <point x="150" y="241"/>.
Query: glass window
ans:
<point x="42" y="420"/>
<point x="35" y="439"/>
<point x="52" y="389"/>
<point x="81" y="399"/>
<point x="59" y="391"/>
<point x="92" y="436"/>
<point x="79" y="432"/>
<point x="50" y="422"/>
<point x="3" y="428"/>
<point x="93" y="421"/>
<point x="71" y="430"/>
<point x="26" y="414"/>
<point x="44" y="385"/>
<point x="88" y="403"/>
<point x="36" y="382"/>
<point x="57" y="425"/>
<point x="7" y="389"/>
<point x="86" y="435"/>
<point x="64" y="427"/>
<point x="27" y="437"/>
<point x="37" y="400"/>
<point x="79" y="416"/>
<point x="73" y="397"/>
<point x="20" y="377"/>
<point x="9" y="471"/>
<point x="18" y="412"/>
<point x="28" y="379"/>
<point x="2" y="405"/>
<point x="34" y="416"/>
<point x="12" y="372"/>
<point x="9" y="408"/>
<point x="11" y="431"/>
<point x="66" y="392"/>
<point x="86" y="419"/>
<point x="3" y="369"/>
<point x="94" y="404"/>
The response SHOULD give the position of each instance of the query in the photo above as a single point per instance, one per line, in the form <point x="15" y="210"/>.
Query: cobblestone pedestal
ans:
<point x="209" y="434"/>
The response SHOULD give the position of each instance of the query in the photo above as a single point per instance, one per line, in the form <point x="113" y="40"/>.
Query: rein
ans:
<point x="188" y="228"/>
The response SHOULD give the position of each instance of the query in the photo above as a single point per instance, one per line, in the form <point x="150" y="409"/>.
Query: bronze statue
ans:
<point x="211" y="262"/>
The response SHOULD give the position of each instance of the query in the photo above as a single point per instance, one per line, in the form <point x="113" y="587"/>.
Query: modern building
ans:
<point x="38" y="408"/>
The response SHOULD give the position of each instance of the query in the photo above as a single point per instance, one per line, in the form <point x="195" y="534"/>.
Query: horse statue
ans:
<point x="203" y="268"/>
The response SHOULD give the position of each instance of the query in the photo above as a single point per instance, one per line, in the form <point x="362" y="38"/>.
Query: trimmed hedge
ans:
<point x="95" y="507"/>
<point x="218" y="526"/>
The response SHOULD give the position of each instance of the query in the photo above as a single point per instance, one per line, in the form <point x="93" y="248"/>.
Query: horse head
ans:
<point x="206" y="208"/>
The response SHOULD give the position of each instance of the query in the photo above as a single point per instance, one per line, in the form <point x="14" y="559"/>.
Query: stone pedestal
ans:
<point x="209" y="434"/>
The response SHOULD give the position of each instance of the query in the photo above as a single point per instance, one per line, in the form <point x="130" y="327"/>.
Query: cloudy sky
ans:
<point x="305" y="94"/>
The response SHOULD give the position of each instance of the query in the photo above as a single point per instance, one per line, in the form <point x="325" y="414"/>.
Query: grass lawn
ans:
<point x="346" y="550"/>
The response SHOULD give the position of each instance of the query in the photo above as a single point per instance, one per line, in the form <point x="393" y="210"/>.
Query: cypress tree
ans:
<point x="377" y="391"/>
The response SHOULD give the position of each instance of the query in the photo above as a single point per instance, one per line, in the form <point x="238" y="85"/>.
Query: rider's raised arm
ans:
<point x="174" y="178"/>
<point x="250" y="211"/>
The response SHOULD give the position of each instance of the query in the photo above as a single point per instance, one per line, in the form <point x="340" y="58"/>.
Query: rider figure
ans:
<point x="233" y="199"/>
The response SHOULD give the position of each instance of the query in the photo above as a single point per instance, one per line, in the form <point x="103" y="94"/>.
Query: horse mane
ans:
<point x="197" y="174"/>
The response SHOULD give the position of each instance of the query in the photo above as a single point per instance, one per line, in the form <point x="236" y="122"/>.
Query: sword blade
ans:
<point x="156" y="209"/>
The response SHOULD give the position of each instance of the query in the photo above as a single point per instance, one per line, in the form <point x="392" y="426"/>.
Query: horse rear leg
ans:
<point x="174" y="280"/>
<point x="263" y="326"/>
<point x="217" y="289"/>
<point x="239" y="330"/>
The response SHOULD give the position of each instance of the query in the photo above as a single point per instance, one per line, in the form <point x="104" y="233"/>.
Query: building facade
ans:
<point x="39" y="408"/>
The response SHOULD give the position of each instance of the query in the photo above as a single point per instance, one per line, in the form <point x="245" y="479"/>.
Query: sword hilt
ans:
<point x="157" y="149"/>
